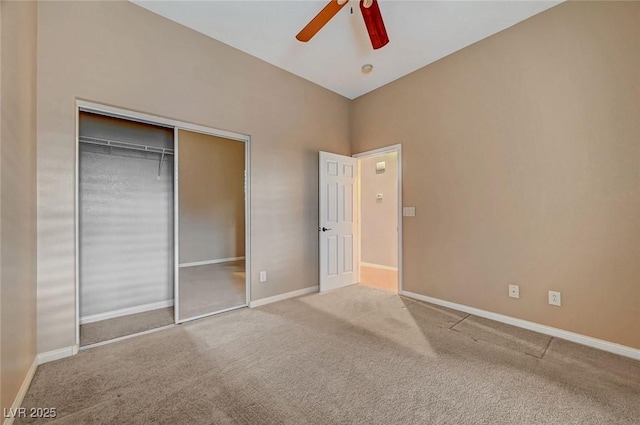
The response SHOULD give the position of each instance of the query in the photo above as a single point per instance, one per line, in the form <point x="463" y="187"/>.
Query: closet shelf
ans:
<point x="124" y="145"/>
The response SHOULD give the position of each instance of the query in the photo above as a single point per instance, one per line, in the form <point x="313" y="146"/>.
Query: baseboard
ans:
<point x="125" y="311"/>
<point x="378" y="266"/>
<point x="58" y="354"/>
<point x="204" y="263"/>
<point x="284" y="296"/>
<point x="17" y="402"/>
<point x="600" y="344"/>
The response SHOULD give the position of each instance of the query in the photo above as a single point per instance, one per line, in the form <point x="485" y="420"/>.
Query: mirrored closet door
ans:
<point x="211" y="224"/>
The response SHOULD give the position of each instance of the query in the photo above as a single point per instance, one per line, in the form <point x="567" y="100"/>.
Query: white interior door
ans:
<point x="337" y="221"/>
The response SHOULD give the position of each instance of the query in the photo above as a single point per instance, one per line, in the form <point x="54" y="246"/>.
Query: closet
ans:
<point x="126" y="227"/>
<point x="162" y="225"/>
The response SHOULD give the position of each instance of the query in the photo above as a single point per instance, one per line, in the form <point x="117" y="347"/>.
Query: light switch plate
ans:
<point x="408" y="211"/>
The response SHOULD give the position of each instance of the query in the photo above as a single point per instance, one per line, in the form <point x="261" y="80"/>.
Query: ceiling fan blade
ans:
<point x="375" y="25"/>
<point x="321" y="19"/>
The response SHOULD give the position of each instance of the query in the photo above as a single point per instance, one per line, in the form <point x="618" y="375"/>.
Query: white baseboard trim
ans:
<point x="287" y="295"/>
<point x="58" y="354"/>
<point x="611" y="347"/>
<point x="125" y="311"/>
<point x="17" y="402"/>
<point x="378" y="266"/>
<point x="204" y="263"/>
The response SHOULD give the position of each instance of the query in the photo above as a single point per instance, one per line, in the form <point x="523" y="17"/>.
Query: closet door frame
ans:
<point x="88" y="106"/>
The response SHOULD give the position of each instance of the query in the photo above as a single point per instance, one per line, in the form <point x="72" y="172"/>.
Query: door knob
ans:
<point x="324" y="229"/>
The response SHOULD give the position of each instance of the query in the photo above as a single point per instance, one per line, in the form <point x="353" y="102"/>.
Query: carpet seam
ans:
<point x="546" y="348"/>
<point x="459" y="321"/>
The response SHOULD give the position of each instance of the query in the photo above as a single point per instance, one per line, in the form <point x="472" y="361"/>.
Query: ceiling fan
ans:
<point x="370" y="13"/>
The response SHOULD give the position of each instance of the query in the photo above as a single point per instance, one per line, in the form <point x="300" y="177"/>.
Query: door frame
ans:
<point x="116" y="112"/>
<point x="367" y="154"/>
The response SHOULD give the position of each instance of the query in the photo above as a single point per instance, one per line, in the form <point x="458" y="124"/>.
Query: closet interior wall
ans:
<point x="125" y="218"/>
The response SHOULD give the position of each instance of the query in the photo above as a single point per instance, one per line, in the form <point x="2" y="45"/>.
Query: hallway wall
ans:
<point x="18" y="30"/>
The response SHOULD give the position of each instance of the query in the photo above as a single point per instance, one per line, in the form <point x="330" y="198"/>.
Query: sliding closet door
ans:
<point x="211" y="225"/>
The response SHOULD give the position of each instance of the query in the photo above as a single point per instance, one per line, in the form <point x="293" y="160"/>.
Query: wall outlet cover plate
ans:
<point x="514" y="291"/>
<point x="555" y="298"/>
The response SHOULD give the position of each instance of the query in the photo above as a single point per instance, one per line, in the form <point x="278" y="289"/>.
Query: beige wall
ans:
<point x="17" y="196"/>
<point x="211" y="197"/>
<point x="521" y="155"/>
<point x="2" y="402"/>
<point x="122" y="55"/>
<point x="379" y="217"/>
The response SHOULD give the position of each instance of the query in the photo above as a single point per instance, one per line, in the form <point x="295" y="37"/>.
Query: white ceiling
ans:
<point x="420" y="32"/>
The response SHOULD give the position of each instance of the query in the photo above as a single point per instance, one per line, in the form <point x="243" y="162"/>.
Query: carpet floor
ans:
<point x="351" y="356"/>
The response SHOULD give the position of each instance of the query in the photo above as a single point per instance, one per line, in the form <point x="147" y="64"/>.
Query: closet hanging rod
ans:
<point x="124" y="145"/>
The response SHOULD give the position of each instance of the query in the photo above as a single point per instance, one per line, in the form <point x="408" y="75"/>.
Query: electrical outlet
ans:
<point x="514" y="291"/>
<point x="263" y="276"/>
<point x="555" y="298"/>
